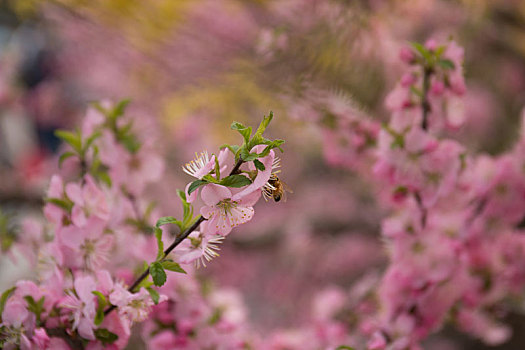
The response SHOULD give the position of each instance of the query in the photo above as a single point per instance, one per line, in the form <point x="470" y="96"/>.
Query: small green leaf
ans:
<point x="3" y="299"/>
<point x="172" y="266"/>
<point x="120" y="108"/>
<point x="217" y="168"/>
<point x="153" y="294"/>
<point x="160" y="244"/>
<point x="344" y="347"/>
<point x="65" y="156"/>
<point x="157" y="273"/>
<point x="102" y="302"/>
<point x="131" y="142"/>
<point x="247" y="156"/>
<point x="90" y="140"/>
<point x="196" y="184"/>
<point x="166" y="220"/>
<point x="423" y="51"/>
<point x="416" y="91"/>
<point x="264" y="124"/>
<point x="61" y="203"/>
<point x="259" y="165"/>
<point x="35" y="307"/>
<point x="246" y="132"/>
<point x="235" y="181"/>
<point x="104" y="177"/>
<point x="447" y="64"/>
<point x="105" y="336"/>
<point x="73" y="139"/>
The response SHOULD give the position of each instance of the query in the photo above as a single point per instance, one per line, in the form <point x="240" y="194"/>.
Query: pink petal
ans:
<point x="212" y="194"/>
<point x="71" y="236"/>
<point x="249" y="200"/>
<point x="78" y="216"/>
<point x="85" y="329"/>
<point x="56" y="187"/>
<point x="84" y="286"/>
<point x="209" y="212"/>
<point x="74" y="192"/>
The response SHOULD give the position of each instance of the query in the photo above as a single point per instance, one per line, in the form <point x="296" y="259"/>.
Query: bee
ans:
<point x="276" y="188"/>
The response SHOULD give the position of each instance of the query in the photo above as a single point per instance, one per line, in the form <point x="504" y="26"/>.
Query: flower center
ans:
<point x="227" y="205"/>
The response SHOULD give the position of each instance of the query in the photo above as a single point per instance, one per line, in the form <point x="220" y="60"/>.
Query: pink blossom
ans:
<point x="135" y="307"/>
<point x="199" y="247"/>
<point x="82" y="306"/>
<point x="225" y="210"/>
<point x="89" y="200"/>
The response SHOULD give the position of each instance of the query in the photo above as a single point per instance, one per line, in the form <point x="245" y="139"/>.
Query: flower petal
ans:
<point x="212" y="194"/>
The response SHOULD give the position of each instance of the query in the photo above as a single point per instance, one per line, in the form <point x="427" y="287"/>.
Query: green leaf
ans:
<point x="264" y="124"/>
<point x="166" y="220"/>
<point x="35" y="307"/>
<point x="120" y="108"/>
<point x="3" y="299"/>
<point x="65" y="156"/>
<point x="235" y="181"/>
<point x="61" y="203"/>
<point x="344" y="347"/>
<point x="217" y="168"/>
<point x="423" y="51"/>
<point x="172" y="266"/>
<point x="447" y="64"/>
<point x="105" y="336"/>
<point x="271" y="145"/>
<point x="246" y="132"/>
<point x="187" y="211"/>
<point x="153" y="294"/>
<point x="416" y="91"/>
<point x="259" y="165"/>
<point x="247" y="156"/>
<point x="196" y="184"/>
<point x="157" y="273"/>
<point x="102" y="302"/>
<point x="104" y="177"/>
<point x="73" y="139"/>
<point x="160" y="244"/>
<point x="131" y="142"/>
<point x="90" y="140"/>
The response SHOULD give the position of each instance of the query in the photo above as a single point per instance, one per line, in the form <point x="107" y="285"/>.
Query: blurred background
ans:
<point x="191" y="67"/>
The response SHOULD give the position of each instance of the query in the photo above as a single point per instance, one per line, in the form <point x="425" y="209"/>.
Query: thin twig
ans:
<point x="427" y="72"/>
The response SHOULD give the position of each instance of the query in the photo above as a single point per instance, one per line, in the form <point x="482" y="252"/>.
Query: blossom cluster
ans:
<point x="453" y="236"/>
<point x="98" y="246"/>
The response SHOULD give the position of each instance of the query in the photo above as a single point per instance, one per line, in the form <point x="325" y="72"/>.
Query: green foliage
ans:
<point x="160" y="244"/>
<point x="259" y="165"/>
<point x="447" y="64"/>
<point x="156" y="270"/>
<point x="105" y="336"/>
<point x="8" y="232"/>
<point x="102" y="303"/>
<point x="235" y="181"/>
<point x="195" y="185"/>
<point x="344" y="347"/>
<point x="65" y="204"/>
<point x="153" y="294"/>
<point x="243" y="152"/>
<point x="3" y="299"/>
<point x="36" y="307"/>
<point x="172" y="266"/>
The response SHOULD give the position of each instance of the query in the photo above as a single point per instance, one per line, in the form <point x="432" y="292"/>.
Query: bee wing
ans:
<point x="286" y="187"/>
